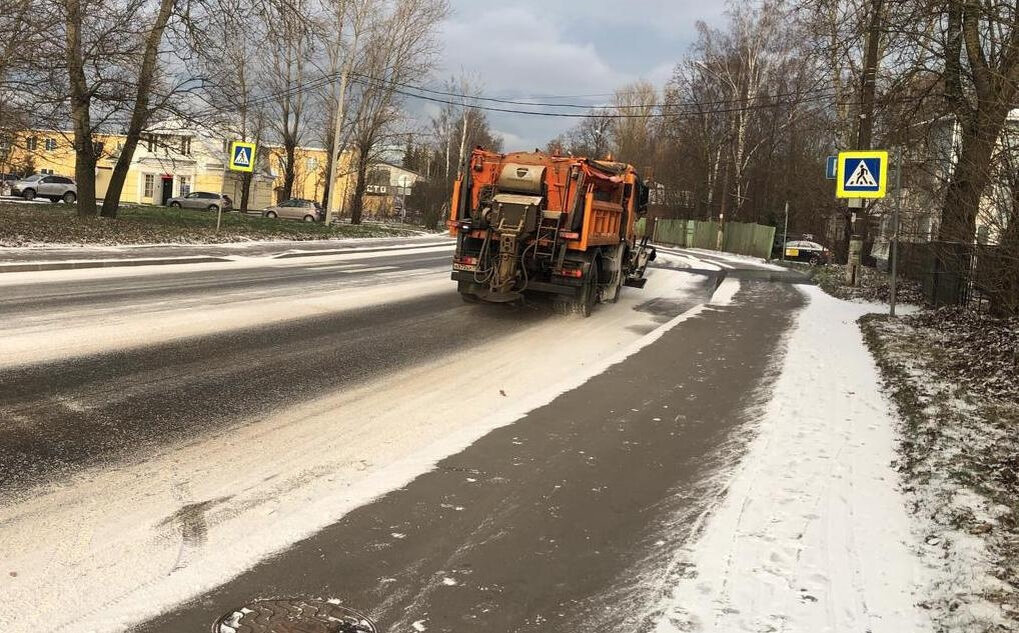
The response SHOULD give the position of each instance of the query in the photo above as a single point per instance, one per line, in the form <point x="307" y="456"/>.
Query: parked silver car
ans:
<point x="202" y="200"/>
<point x="296" y="209"/>
<point x="56" y="188"/>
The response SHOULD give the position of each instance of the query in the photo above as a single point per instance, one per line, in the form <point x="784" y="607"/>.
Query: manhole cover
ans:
<point x="292" y="615"/>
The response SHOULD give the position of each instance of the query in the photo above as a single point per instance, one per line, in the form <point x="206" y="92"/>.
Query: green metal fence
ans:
<point x="737" y="237"/>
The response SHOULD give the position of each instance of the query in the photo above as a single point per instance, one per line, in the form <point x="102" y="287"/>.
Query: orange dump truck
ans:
<point x="529" y="222"/>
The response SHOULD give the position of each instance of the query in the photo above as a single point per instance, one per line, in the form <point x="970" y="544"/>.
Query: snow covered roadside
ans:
<point x="813" y="534"/>
<point x="953" y="375"/>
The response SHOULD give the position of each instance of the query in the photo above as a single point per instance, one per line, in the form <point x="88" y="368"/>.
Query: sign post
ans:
<point x="860" y="175"/>
<point x="895" y="230"/>
<point x="242" y="158"/>
<point x="785" y="230"/>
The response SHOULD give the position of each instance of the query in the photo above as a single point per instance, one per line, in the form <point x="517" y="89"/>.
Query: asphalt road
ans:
<point x="564" y="520"/>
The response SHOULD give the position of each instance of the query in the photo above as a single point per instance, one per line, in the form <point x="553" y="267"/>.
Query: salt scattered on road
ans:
<point x="124" y="548"/>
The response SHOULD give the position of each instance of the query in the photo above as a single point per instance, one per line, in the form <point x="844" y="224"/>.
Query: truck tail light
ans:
<point x="569" y="235"/>
<point x="468" y="261"/>
<point x="576" y="273"/>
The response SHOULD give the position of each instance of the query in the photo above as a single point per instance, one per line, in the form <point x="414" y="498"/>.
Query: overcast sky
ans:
<point x="540" y="48"/>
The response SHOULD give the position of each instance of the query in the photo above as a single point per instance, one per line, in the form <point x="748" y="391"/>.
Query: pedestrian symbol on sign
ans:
<point x="862" y="175"/>
<point x="242" y="156"/>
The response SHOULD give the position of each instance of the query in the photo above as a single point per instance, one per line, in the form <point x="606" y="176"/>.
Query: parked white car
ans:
<point x="202" y="200"/>
<point x="56" y="188"/>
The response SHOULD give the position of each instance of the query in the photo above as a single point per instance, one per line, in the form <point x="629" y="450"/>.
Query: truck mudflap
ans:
<point x="642" y="255"/>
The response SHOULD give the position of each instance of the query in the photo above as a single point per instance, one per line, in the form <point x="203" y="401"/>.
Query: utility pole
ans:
<point x="341" y="10"/>
<point x="895" y="229"/>
<point x="865" y="133"/>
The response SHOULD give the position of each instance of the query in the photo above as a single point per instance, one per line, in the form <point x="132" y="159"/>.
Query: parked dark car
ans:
<point x="807" y="251"/>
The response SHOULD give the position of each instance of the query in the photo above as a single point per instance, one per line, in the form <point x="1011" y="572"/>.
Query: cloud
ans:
<point x="523" y="53"/>
<point x="545" y="49"/>
<point x="510" y="140"/>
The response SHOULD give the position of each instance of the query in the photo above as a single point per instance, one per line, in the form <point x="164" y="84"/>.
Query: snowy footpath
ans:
<point x="813" y="533"/>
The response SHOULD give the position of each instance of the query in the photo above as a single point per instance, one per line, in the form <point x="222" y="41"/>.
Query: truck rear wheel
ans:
<point x="589" y="295"/>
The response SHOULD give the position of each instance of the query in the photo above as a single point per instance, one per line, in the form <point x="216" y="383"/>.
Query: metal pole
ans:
<point x="785" y="231"/>
<point x="895" y="228"/>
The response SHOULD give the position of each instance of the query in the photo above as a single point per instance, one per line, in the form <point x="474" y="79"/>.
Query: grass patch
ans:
<point x="23" y="224"/>
<point x="953" y="380"/>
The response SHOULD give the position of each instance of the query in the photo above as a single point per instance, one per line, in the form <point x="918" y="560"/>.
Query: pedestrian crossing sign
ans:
<point x="862" y="175"/>
<point x="242" y="156"/>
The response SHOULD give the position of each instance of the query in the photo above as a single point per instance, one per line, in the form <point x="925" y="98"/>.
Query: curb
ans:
<point x="349" y="251"/>
<point x="105" y="263"/>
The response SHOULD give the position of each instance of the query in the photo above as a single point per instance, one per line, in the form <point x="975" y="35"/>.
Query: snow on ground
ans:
<point x="959" y="462"/>
<point x="813" y="534"/>
<point x="682" y="259"/>
<point x="115" y="552"/>
<point x="734" y="260"/>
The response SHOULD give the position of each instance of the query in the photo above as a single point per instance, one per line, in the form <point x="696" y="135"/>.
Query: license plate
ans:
<point x="792" y="252"/>
<point x="470" y="268"/>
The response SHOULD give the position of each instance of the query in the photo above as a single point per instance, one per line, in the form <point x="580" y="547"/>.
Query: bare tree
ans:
<point x="234" y="77"/>
<point x="981" y="69"/>
<point x="399" y="48"/>
<point x="17" y="50"/>
<point x="634" y="135"/>
<point x="121" y="64"/>
<point x="592" y="137"/>
<point x="343" y="31"/>
<point x="290" y="37"/>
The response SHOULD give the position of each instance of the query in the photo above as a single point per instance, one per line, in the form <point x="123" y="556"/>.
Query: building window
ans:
<point x="312" y="164"/>
<point x="31" y="143"/>
<point x="185" y="185"/>
<point x="185" y="145"/>
<point x="150" y="185"/>
<point x="378" y="177"/>
<point x="50" y="144"/>
<point x="97" y="148"/>
<point x="46" y="171"/>
<point x="983" y="234"/>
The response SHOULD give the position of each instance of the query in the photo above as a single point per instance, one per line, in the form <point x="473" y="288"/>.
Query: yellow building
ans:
<point x="172" y="161"/>
<point x="310" y="176"/>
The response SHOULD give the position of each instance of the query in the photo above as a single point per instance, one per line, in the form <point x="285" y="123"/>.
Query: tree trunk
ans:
<point x="330" y="157"/>
<point x="970" y="178"/>
<point x="289" y="172"/>
<point x="245" y="191"/>
<point x="360" y="184"/>
<point x="140" y="113"/>
<point x="81" y="116"/>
